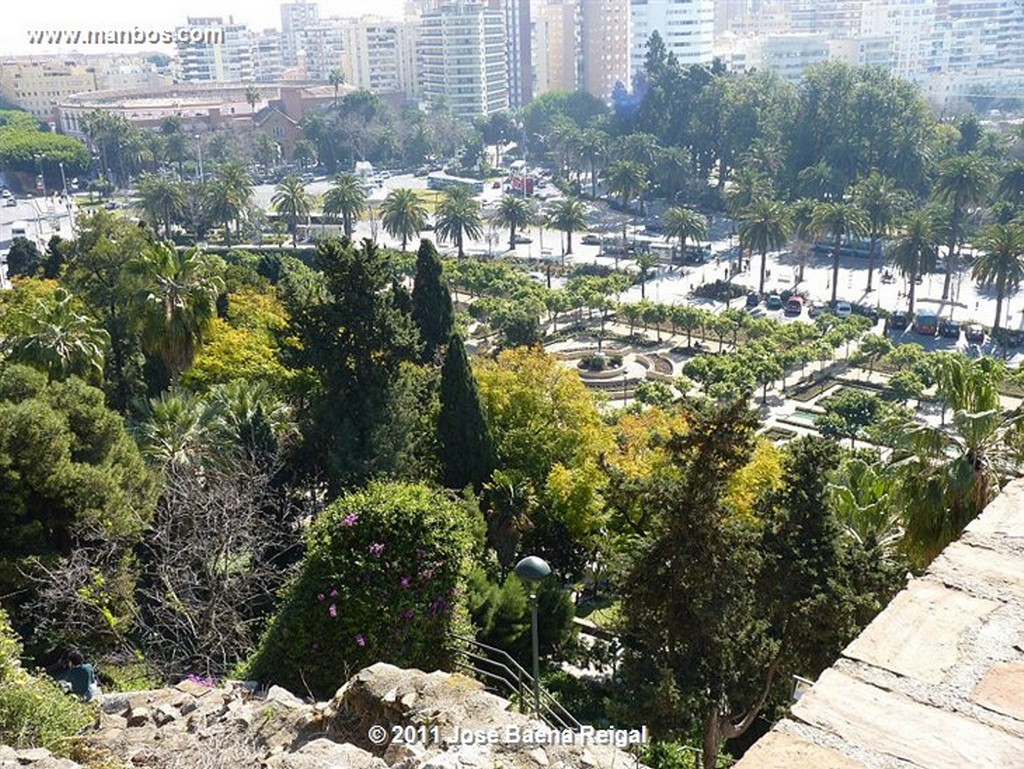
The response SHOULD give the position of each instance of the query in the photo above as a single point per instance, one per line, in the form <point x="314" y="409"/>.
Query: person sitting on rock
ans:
<point x="82" y="677"/>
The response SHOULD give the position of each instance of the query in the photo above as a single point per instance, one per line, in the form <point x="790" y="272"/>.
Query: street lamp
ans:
<point x="199" y="144"/>
<point x="534" y="570"/>
<point x="39" y="171"/>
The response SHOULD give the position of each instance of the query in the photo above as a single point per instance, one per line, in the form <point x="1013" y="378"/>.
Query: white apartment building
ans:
<point x="462" y="59"/>
<point x="310" y="44"/>
<point x="556" y="46"/>
<point x="910" y="25"/>
<point x="686" y="26"/>
<point x="229" y="61"/>
<point x="380" y="55"/>
<point x="267" y="64"/>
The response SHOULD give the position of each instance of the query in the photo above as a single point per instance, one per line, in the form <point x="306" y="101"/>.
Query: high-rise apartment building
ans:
<point x="308" y="42"/>
<point x="687" y="28"/>
<point x="267" y="64"/>
<point x="380" y="55"/>
<point x="518" y="49"/>
<point x="227" y="61"/>
<point x="604" y="45"/>
<point x="556" y="46"/>
<point x="462" y="59"/>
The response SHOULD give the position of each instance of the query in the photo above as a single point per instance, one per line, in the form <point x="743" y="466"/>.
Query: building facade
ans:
<point x="686" y="26"/>
<point x="38" y="83"/>
<point x="228" y="61"/>
<point x="380" y="55"/>
<point x="556" y="46"/>
<point x="604" y="46"/>
<point x="462" y="59"/>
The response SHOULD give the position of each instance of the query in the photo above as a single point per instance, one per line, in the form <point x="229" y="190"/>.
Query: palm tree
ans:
<point x="252" y="98"/>
<point x="593" y="147"/>
<point x="764" y="226"/>
<point x="336" y="78"/>
<point x="817" y="181"/>
<point x="644" y="263"/>
<point x="1011" y="185"/>
<point x="1001" y="262"/>
<point x="161" y="199"/>
<point x="292" y="202"/>
<point x="569" y="215"/>
<point x="840" y="220"/>
<point x="804" y="232"/>
<point x="176" y="302"/>
<point x="403" y="215"/>
<point x="458" y="217"/>
<point x="228" y="196"/>
<point x="949" y="474"/>
<point x="962" y="181"/>
<point x="628" y="180"/>
<point x="883" y="202"/>
<point x="516" y="213"/>
<point x="914" y="251"/>
<point x="345" y="198"/>
<point x="180" y="429"/>
<point x="746" y="186"/>
<point x="53" y="336"/>
<point x="685" y="224"/>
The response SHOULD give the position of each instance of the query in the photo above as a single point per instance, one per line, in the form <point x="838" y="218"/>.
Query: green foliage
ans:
<point x="904" y="385"/>
<point x="465" y="446"/>
<point x="847" y="413"/>
<point x="20" y="143"/>
<point x="351" y="341"/>
<point x="24" y="259"/>
<point x="71" y="475"/>
<point x="34" y="711"/>
<point x="431" y="300"/>
<point x="384" y="580"/>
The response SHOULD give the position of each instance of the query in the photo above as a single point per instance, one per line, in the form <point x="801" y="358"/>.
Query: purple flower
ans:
<point x="437" y="606"/>
<point x="333" y="610"/>
<point x="405" y="581"/>
<point x="320" y="597"/>
<point x="376" y="548"/>
<point x="350" y="520"/>
<point x="408" y="614"/>
<point x="334" y="594"/>
<point x="360" y="640"/>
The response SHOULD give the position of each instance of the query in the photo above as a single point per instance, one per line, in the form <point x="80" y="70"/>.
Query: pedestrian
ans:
<point x="81" y="676"/>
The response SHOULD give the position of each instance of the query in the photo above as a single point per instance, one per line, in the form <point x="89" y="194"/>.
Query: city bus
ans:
<point x="441" y="181"/>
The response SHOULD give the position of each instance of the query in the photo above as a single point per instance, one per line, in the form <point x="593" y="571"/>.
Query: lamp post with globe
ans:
<point x="533" y="571"/>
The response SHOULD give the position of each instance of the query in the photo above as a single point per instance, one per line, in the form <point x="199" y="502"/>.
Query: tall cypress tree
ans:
<point x="431" y="301"/>
<point x="466" y="447"/>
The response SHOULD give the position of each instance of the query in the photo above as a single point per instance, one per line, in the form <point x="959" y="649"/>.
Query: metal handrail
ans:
<point x="519" y="679"/>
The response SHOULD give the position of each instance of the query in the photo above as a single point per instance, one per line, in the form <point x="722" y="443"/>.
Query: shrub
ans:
<point x="34" y="711"/>
<point x="384" y="580"/>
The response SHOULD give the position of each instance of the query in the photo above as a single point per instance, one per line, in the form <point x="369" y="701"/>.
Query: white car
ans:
<point x="843" y="310"/>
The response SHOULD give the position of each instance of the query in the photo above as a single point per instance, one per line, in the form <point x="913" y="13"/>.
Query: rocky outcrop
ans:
<point x="384" y="717"/>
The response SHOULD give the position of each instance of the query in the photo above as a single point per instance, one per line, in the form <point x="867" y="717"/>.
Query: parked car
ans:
<point x="897" y="322"/>
<point x="753" y="299"/>
<point x="774" y="302"/>
<point x="926" y="323"/>
<point x="949" y="328"/>
<point x="842" y="309"/>
<point x="1007" y="337"/>
<point x="523" y="239"/>
<point x="974" y="334"/>
<point x="591" y="240"/>
<point x="867" y="311"/>
<point x="10" y="202"/>
<point x="795" y="306"/>
<point x="814" y="310"/>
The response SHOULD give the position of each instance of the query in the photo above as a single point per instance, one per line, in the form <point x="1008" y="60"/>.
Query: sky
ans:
<point x="19" y="17"/>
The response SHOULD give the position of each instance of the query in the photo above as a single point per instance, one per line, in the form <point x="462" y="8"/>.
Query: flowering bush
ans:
<point x="384" y="580"/>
